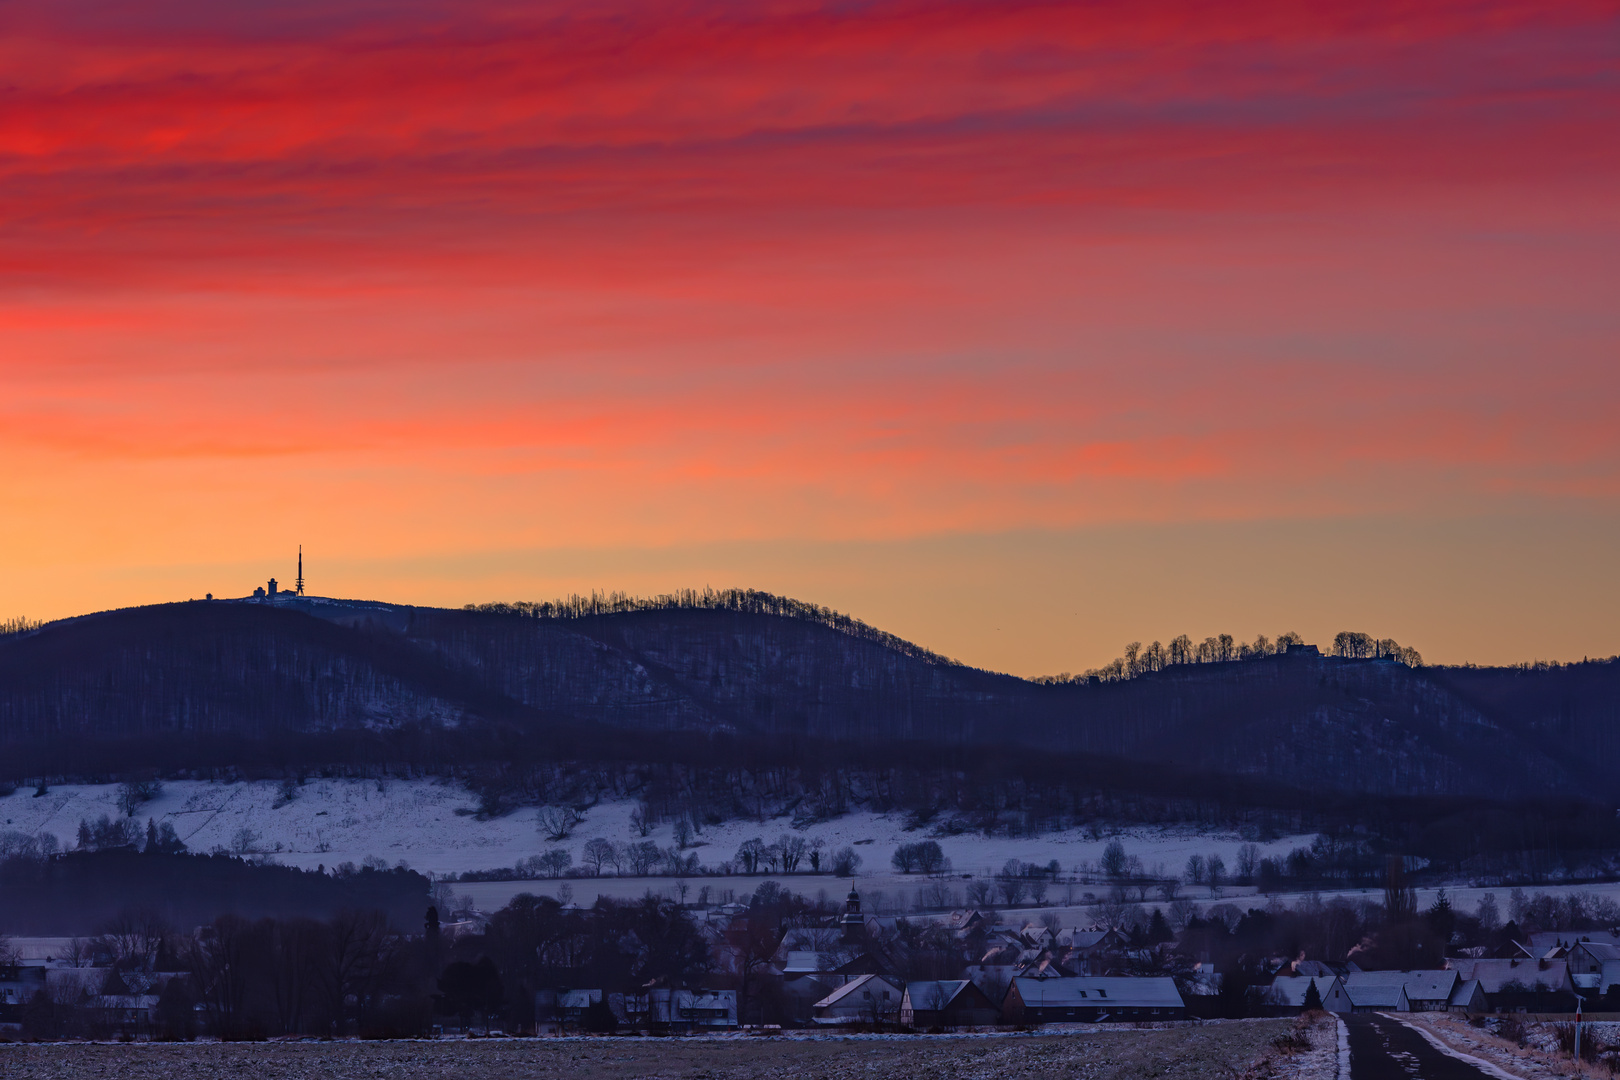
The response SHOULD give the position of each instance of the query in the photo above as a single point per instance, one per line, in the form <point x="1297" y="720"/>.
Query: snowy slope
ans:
<point x="430" y="826"/>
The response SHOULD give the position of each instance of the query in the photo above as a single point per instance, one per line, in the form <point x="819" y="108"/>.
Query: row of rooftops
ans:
<point x="1464" y="985"/>
<point x="869" y="996"/>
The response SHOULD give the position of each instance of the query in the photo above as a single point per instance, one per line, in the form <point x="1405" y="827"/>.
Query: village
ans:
<point x="774" y="962"/>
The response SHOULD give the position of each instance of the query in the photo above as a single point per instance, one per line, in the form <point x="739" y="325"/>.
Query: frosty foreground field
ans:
<point x="1212" y="1050"/>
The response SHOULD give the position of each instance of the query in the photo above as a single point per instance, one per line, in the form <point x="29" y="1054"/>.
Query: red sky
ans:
<point x="1022" y="329"/>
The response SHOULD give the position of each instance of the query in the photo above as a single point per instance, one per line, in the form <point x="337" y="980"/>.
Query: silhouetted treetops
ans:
<point x="718" y="681"/>
<point x="43" y="892"/>
<point x="1142" y="660"/>
<point x="743" y="601"/>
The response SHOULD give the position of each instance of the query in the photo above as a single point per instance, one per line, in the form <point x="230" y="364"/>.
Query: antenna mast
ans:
<point x="300" y="582"/>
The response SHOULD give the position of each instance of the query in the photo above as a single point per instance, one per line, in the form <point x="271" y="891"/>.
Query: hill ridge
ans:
<point x="749" y="665"/>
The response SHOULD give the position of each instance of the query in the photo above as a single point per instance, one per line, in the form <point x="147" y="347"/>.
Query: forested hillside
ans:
<point x="206" y="683"/>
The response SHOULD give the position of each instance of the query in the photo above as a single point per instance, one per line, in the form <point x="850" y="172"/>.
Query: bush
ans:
<point x="846" y="862"/>
<point x="1591" y="1047"/>
<point x="598" y="1018"/>
<point x="924" y="855"/>
<point x="1512" y="1029"/>
<point x="1294" y="1042"/>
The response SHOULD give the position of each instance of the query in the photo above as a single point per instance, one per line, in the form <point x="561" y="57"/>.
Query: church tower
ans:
<point x="853" y="922"/>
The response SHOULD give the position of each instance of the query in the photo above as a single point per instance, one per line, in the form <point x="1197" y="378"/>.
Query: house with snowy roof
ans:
<point x="1556" y="944"/>
<point x="1377" y="991"/>
<point x="1287" y="993"/>
<point x="677" y="1010"/>
<point x="964" y="921"/>
<point x="947" y="1003"/>
<point x="1321" y="967"/>
<point x="1586" y="960"/>
<point x="868" y="999"/>
<point x="1424" y="990"/>
<point x="1521" y="985"/>
<point x="1469" y="998"/>
<point x="1093" y="950"/>
<point x="1430" y="990"/>
<point x="1092" y="999"/>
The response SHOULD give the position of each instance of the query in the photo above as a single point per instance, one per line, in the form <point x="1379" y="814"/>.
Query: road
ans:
<point x="1385" y="1049"/>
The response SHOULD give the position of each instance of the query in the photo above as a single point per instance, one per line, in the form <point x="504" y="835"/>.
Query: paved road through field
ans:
<point x="1385" y="1049"/>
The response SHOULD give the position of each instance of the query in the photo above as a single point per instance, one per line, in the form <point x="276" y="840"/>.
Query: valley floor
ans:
<point x="1207" y="1050"/>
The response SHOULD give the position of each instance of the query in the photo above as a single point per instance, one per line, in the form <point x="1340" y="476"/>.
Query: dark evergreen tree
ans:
<point x="468" y="990"/>
<point x="1313" y="997"/>
<point x="1442" y="919"/>
<point x="599" y="1018"/>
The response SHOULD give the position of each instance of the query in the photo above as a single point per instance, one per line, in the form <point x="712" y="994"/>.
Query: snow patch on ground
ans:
<point x="1320" y="1062"/>
<point x="1445" y="1047"/>
<point x="430" y="825"/>
<point x="1499" y="1057"/>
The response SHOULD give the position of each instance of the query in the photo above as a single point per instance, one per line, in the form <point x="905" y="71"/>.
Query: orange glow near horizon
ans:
<point x="880" y="304"/>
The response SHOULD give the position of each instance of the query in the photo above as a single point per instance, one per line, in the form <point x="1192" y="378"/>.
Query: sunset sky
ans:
<point x="1022" y="330"/>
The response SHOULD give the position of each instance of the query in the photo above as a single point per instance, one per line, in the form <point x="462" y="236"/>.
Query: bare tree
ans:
<point x="750" y="854"/>
<point x="752" y="944"/>
<point x="358" y="948"/>
<point x="1248" y="863"/>
<point x="1354" y="645"/>
<point x="1154" y="658"/>
<point x="135" y="937"/>
<point x="219" y="962"/>
<point x="133" y="793"/>
<point x="1132" y="658"/>
<point x="1114" y="861"/>
<point x="598" y="855"/>
<point x="557" y="822"/>
<point x="793" y="849"/>
<point x="1182" y="911"/>
<point x="292" y="950"/>
<point x="845" y="861"/>
<point x="1012" y="884"/>
<point x="643" y="857"/>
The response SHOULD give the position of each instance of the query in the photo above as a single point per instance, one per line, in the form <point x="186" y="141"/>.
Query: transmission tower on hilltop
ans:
<point x="300" y="581"/>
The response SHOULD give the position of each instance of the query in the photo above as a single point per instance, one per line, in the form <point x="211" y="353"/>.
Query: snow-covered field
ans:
<point x="430" y="826"/>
